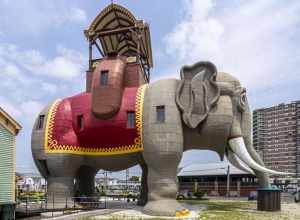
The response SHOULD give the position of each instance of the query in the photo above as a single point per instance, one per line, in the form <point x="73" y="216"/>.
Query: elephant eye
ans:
<point x="242" y="100"/>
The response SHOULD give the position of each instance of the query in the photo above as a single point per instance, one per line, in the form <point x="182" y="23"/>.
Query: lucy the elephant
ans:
<point x="203" y="110"/>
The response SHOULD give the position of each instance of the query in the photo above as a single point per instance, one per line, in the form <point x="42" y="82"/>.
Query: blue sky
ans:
<point x="43" y="52"/>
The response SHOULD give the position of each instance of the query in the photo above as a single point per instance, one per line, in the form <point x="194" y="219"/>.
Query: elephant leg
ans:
<point x="144" y="187"/>
<point x="61" y="179"/>
<point x="163" y="147"/>
<point x="162" y="184"/>
<point x="86" y="181"/>
<point x="60" y="190"/>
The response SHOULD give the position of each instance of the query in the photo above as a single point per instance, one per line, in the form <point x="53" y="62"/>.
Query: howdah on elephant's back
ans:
<point x="112" y="105"/>
<point x="72" y="128"/>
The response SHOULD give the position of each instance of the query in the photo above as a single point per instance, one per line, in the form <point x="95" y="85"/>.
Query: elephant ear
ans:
<point x="197" y="92"/>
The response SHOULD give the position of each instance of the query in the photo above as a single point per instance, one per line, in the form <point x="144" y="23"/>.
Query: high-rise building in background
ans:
<point x="276" y="136"/>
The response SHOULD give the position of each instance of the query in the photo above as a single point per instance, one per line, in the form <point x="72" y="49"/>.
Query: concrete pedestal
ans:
<point x="268" y="199"/>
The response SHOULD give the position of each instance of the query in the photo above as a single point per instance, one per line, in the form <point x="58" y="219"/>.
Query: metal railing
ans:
<point x="51" y="203"/>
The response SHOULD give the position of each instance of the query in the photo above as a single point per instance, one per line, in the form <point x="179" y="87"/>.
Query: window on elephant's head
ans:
<point x="104" y="78"/>
<point x="160" y="114"/>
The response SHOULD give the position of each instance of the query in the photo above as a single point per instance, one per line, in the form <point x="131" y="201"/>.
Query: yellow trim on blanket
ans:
<point x="52" y="146"/>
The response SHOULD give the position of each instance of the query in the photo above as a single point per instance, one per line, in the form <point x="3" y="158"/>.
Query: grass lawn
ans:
<point x="237" y="210"/>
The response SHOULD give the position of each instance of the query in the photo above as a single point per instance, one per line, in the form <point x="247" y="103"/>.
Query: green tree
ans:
<point x="134" y="178"/>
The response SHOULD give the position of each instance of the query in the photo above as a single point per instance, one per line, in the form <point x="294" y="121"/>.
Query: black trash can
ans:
<point x="7" y="212"/>
<point x="269" y="199"/>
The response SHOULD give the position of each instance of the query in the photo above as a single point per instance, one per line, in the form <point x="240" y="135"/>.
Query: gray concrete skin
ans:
<point x="164" y="144"/>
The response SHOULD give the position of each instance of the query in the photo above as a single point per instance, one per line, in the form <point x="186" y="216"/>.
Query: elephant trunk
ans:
<point x="246" y="124"/>
<point x="107" y="87"/>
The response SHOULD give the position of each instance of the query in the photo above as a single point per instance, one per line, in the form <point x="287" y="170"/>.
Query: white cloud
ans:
<point x="67" y="64"/>
<point x="76" y="15"/>
<point x="30" y="109"/>
<point x="254" y="40"/>
<point x="10" y="108"/>
<point x="34" y="16"/>
<point x="27" y="78"/>
<point x="31" y="73"/>
<point x="48" y="87"/>
<point x="11" y="70"/>
<point x="25" y="111"/>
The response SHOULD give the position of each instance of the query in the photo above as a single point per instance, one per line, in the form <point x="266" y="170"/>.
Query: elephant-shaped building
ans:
<point x="121" y="120"/>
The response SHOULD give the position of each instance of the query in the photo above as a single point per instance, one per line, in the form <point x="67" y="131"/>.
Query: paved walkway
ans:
<point x="78" y="215"/>
<point x="137" y="214"/>
<point x="129" y="212"/>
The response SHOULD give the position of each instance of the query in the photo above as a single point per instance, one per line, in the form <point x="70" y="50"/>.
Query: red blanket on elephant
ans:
<point x="71" y="127"/>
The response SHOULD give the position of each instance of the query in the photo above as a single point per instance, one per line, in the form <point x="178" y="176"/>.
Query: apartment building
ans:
<point x="276" y="136"/>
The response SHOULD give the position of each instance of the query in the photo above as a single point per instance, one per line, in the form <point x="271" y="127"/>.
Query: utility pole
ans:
<point x="105" y="187"/>
<point x="228" y="181"/>
<point x="105" y="182"/>
<point x="127" y="178"/>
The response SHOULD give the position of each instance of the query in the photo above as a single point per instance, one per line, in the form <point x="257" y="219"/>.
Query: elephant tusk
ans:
<point x="237" y="145"/>
<point x="238" y="163"/>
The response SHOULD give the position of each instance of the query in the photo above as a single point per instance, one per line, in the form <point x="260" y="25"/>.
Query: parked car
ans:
<point x="252" y="195"/>
<point x="190" y="195"/>
<point x="185" y="195"/>
<point x="291" y="189"/>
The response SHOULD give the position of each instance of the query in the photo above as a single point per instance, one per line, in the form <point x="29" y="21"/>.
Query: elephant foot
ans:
<point x="166" y="207"/>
